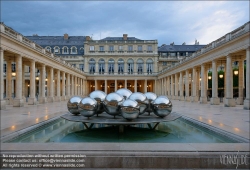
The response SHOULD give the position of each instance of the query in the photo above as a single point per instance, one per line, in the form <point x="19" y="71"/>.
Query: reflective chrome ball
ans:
<point x="87" y="107"/>
<point x="73" y="104"/>
<point x="112" y="103"/>
<point x="99" y="96"/>
<point x="162" y="106"/>
<point x="151" y="97"/>
<point x="142" y="101"/>
<point x="130" y="109"/>
<point x="124" y="92"/>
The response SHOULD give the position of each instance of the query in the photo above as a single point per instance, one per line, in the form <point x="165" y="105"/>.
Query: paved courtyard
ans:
<point x="231" y="119"/>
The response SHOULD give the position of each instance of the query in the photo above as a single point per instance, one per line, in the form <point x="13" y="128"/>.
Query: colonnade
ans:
<point x="49" y="85"/>
<point x="192" y="84"/>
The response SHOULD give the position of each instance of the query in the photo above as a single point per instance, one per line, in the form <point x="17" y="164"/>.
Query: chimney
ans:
<point x="88" y="38"/>
<point x="125" y="36"/>
<point x="66" y="36"/>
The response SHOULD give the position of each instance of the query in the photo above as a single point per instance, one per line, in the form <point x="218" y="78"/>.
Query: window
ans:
<point x="101" y="66"/>
<point x="130" y="66"/>
<point x="120" y="66"/>
<point x="172" y="54"/>
<point x="73" y="50"/>
<point x="13" y="67"/>
<point x="91" y="48"/>
<point x="130" y="48"/>
<point x="149" y="66"/>
<point x="150" y="48"/>
<point x="111" y="63"/>
<point x="101" y="48"/>
<point x="48" y="49"/>
<point x="139" y="48"/>
<point x="65" y="50"/>
<point x="139" y="66"/>
<point x="111" y="48"/>
<point x="120" y="47"/>
<point x="91" y="66"/>
<point x="56" y="50"/>
<point x="4" y="68"/>
<point x="81" y="67"/>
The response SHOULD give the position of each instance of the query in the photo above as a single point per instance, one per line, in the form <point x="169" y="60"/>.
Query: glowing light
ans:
<point x="28" y="85"/>
<point x="13" y="74"/>
<point x="221" y="76"/>
<point x="236" y="72"/>
<point x="13" y="127"/>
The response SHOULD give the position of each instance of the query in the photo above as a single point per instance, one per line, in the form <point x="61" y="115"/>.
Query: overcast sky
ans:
<point x="166" y="21"/>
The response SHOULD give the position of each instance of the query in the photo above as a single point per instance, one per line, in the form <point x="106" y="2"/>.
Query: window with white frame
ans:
<point x="130" y="66"/>
<point x="120" y="66"/>
<point x="4" y="67"/>
<point x="91" y="66"/>
<point x="48" y="49"/>
<point x="130" y="48"/>
<point x="101" y="63"/>
<point x="56" y="50"/>
<point x="73" y="50"/>
<point x="111" y="48"/>
<point x="120" y="48"/>
<point x="81" y="67"/>
<point x="13" y="67"/>
<point x="65" y="50"/>
<point x="149" y="66"/>
<point x="111" y="66"/>
<point x="139" y="48"/>
<point x="91" y="48"/>
<point x="150" y="48"/>
<point x="139" y="66"/>
<point x="101" y="48"/>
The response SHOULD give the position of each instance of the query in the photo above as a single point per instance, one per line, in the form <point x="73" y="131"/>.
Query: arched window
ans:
<point x="91" y="66"/>
<point x="149" y="66"/>
<point x="101" y="63"/>
<point x="111" y="66"/>
<point x="65" y="50"/>
<point x="120" y="66"/>
<point x="73" y="50"/>
<point x="139" y="66"/>
<point x="48" y="49"/>
<point x="56" y="50"/>
<point x="130" y="66"/>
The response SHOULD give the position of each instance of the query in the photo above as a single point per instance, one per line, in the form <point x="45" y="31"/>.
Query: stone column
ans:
<point x="155" y="89"/>
<point x="214" y="100"/>
<point x="126" y="84"/>
<point x="9" y="82"/>
<point x="63" y="87"/>
<point x="72" y="85"/>
<point x="168" y="86"/>
<point x="187" y="98"/>
<point x="247" y="99"/>
<point x="2" y="101"/>
<point x="42" y="98"/>
<point x="176" y="86"/>
<point x="106" y="86"/>
<point x="51" y="83"/>
<point x="32" y="99"/>
<point x="68" y="86"/>
<point x="75" y="86"/>
<point x="181" y="86"/>
<point x="86" y="65"/>
<point x="145" y="85"/>
<point x="135" y="86"/>
<point x="115" y="85"/>
<point x="241" y="82"/>
<point x="23" y="83"/>
<point x="81" y="87"/>
<point x="96" y="68"/>
<point x="58" y="84"/>
<point x="198" y="83"/>
<point x="203" y="98"/>
<point x="194" y="86"/>
<point x="229" y="100"/>
<point x="106" y="68"/>
<point x="95" y="84"/>
<point x="172" y="87"/>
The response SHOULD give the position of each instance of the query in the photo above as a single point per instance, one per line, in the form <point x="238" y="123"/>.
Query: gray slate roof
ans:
<point x="118" y="39"/>
<point x="52" y="41"/>
<point x="180" y="48"/>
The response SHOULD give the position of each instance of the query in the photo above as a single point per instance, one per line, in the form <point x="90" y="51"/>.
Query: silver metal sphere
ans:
<point x="162" y="106"/>
<point x="87" y="107"/>
<point x="99" y="96"/>
<point x="130" y="109"/>
<point x="112" y="103"/>
<point x="142" y="101"/>
<point x="73" y="104"/>
<point x="124" y="92"/>
<point x="151" y="97"/>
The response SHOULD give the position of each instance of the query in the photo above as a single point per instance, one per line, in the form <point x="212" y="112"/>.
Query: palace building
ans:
<point x="54" y="68"/>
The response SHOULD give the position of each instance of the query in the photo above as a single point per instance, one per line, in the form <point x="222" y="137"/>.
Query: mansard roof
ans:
<point x="118" y="39"/>
<point x="179" y="48"/>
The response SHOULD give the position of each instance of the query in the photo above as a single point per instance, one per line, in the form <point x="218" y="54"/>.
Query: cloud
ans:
<point x="166" y="21"/>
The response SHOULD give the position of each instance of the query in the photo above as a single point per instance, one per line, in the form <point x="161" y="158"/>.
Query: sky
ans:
<point x="165" y="21"/>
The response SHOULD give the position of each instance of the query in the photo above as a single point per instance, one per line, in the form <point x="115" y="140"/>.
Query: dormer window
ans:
<point x="73" y="50"/>
<point x="56" y="50"/>
<point x="48" y="49"/>
<point x="65" y="50"/>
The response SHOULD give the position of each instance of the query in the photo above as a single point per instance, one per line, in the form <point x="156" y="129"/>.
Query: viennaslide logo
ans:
<point x="234" y="159"/>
